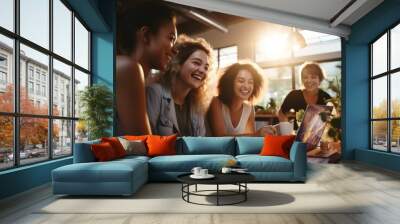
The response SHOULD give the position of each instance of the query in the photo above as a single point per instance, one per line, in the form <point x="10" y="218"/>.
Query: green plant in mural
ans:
<point x="96" y="102"/>
<point x="335" y="129"/>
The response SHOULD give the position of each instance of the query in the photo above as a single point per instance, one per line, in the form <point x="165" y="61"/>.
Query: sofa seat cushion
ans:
<point x="133" y="158"/>
<point x="111" y="171"/>
<point x="185" y="163"/>
<point x="257" y="163"/>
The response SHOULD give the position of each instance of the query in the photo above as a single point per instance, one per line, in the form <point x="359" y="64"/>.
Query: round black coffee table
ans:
<point x="238" y="179"/>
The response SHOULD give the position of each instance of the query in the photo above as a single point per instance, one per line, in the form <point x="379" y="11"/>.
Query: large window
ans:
<point x="385" y="95"/>
<point x="44" y="64"/>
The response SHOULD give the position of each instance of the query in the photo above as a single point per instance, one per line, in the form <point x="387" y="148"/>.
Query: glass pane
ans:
<point x="279" y="84"/>
<point x="81" y="131"/>
<point x="6" y="142"/>
<point x="379" y="56"/>
<point x="227" y="56"/>
<point x="33" y="139"/>
<point x="379" y="98"/>
<point x="81" y="81"/>
<point x="7" y="14"/>
<point x="379" y="135"/>
<point x="81" y="45"/>
<point x="62" y="89"/>
<point x="62" y="138"/>
<point x="395" y="47"/>
<point x="35" y="21"/>
<point x="6" y="74"/>
<point x="395" y="94"/>
<point x="215" y="55"/>
<point x="395" y="136"/>
<point x="62" y="29"/>
<point x="34" y="72"/>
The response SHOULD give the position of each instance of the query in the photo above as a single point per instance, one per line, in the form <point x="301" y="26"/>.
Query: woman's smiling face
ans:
<point x="195" y="69"/>
<point x="243" y="84"/>
<point x="310" y="81"/>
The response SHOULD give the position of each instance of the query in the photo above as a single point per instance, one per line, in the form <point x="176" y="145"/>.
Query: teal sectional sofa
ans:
<point x="125" y="176"/>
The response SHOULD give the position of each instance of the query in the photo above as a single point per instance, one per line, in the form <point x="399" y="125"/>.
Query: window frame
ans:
<point x="218" y="59"/>
<point x="16" y="115"/>
<point x="388" y="74"/>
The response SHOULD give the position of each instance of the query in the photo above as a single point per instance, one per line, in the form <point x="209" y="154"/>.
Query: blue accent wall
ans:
<point x="103" y="53"/>
<point x="99" y="15"/>
<point x="356" y="83"/>
<point x="24" y="178"/>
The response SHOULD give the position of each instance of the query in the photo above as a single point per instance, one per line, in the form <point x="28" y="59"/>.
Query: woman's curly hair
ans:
<point x="184" y="47"/>
<point x="227" y="80"/>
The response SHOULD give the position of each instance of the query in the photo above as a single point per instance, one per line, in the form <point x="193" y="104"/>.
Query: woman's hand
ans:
<point x="267" y="130"/>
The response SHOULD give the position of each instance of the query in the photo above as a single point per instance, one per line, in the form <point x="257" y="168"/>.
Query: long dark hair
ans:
<point x="133" y="16"/>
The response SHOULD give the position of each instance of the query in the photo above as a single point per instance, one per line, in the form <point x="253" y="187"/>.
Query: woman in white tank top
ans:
<point x="231" y="113"/>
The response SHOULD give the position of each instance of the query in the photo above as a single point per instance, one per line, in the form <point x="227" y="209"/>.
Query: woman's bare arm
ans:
<point x="250" y="126"/>
<point x="281" y="116"/>
<point x="131" y="99"/>
<point x="216" y="119"/>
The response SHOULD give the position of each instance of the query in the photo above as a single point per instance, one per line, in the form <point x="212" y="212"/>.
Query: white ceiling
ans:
<point x="321" y="9"/>
<point x="315" y="15"/>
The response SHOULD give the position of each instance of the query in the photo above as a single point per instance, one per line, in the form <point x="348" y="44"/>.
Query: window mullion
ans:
<point x="371" y="89"/>
<point x="50" y="81"/>
<point x="73" y="82"/>
<point x="16" y="70"/>
<point x="389" y="101"/>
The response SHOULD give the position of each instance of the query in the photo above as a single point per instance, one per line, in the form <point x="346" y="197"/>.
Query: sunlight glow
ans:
<point x="274" y="46"/>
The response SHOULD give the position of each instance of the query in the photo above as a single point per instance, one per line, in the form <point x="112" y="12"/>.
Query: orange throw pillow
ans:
<point x="136" y="137"/>
<point x="116" y="145"/>
<point x="103" y="152"/>
<point x="277" y="145"/>
<point x="161" y="145"/>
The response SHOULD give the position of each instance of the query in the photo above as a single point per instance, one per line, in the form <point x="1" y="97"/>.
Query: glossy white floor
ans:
<point x="377" y="188"/>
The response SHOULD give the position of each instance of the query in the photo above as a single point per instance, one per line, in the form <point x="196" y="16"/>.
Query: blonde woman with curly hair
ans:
<point x="177" y="103"/>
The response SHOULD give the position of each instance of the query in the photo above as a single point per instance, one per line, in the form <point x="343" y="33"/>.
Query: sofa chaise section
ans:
<point x="87" y="177"/>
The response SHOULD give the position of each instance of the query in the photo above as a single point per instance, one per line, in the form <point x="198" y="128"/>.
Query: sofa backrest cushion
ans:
<point x="83" y="152"/>
<point x="249" y="145"/>
<point x="206" y="145"/>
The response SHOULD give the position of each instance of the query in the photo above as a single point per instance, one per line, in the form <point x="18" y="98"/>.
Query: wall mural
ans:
<point x="169" y="83"/>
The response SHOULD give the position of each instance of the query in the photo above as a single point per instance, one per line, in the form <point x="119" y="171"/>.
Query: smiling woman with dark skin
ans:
<point x="177" y="103"/>
<point x="311" y="76"/>
<point x="147" y="35"/>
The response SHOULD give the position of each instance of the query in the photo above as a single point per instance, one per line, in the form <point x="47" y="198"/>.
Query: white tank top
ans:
<point x="241" y="127"/>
